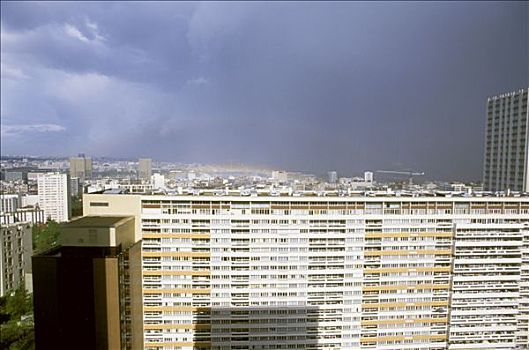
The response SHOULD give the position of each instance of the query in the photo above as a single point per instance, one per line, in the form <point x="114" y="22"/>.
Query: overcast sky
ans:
<point x="298" y="86"/>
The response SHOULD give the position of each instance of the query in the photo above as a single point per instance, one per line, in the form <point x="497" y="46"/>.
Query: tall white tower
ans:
<point x="54" y="199"/>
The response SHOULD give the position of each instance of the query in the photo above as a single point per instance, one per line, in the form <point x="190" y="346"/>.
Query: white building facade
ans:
<point x="330" y="272"/>
<point x="158" y="181"/>
<point x="332" y="177"/>
<point x="9" y="203"/>
<point x="53" y="196"/>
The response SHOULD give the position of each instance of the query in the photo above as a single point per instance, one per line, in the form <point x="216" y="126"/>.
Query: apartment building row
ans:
<point x="321" y="272"/>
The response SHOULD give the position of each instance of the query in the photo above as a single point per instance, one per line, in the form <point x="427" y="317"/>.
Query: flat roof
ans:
<point x="214" y="194"/>
<point x="318" y="199"/>
<point x="97" y="221"/>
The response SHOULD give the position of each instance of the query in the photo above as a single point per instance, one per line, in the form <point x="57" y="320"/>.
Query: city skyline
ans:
<point x="308" y="86"/>
<point x="264" y="175"/>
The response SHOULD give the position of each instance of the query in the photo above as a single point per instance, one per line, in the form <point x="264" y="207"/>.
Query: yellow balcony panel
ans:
<point x="402" y="338"/>
<point x="407" y="269"/>
<point x="177" y="235"/>
<point x="177" y="326"/>
<point x="408" y="234"/>
<point x="178" y="344"/>
<point x="177" y="308"/>
<point x="177" y="290"/>
<point x="179" y="254"/>
<point x="404" y="304"/>
<point x="409" y="252"/>
<point x="406" y="287"/>
<point x="175" y="273"/>
<point x="405" y="321"/>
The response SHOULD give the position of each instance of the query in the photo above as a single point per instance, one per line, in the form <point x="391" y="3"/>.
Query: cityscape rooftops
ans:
<point x="344" y="193"/>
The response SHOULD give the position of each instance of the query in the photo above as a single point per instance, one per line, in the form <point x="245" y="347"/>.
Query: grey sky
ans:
<point x="302" y="86"/>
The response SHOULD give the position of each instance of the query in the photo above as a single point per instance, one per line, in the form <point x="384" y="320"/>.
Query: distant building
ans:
<point x="332" y="177"/>
<point x="345" y="180"/>
<point x="75" y="186"/>
<point x="30" y="200"/>
<point x="33" y="176"/>
<point x="9" y="202"/>
<point x="145" y="169"/>
<point x="360" y="183"/>
<point x="191" y="175"/>
<point x="54" y="198"/>
<point x="33" y="215"/>
<point x="89" y="168"/>
<point x="82" y="290"/>
<point x="14" y="176"/>
<point x="15" y="255"/>
<point x="77" y="167"/>
<point x="136" y="187"/>
<point x="158" y="181"/>
<point x="279" y="176"/>
<point x="368" y="176"/>
<point x="507" y="143"/>
<point x="459" y="187"/>
<point x="81" y="167"/>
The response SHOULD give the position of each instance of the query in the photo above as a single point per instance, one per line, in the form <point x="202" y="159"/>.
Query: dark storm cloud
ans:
<point x="303" y="86"/>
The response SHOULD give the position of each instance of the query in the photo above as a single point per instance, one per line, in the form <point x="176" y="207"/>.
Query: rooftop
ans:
<point x="97" y="221"/>
<point x="325" y="193"/>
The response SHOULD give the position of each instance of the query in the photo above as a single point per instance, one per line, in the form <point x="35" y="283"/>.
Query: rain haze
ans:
<point x="299" y="86"/>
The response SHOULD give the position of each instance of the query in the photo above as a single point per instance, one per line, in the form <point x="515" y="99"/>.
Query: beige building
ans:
<point x="84" y="289"/>
<point x="224" y="272"/>
<point x="145" y="169"/>
<point x="81" y="167"/>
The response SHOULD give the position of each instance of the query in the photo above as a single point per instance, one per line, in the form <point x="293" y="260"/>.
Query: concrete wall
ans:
<point x="113" y="205"/>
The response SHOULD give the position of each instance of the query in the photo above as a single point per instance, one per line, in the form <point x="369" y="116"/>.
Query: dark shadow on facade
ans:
<point x="257" y="328"/>
<point x="75" y="306"/>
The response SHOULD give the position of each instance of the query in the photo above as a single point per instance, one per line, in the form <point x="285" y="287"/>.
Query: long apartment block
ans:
<point x="264" y="272"/>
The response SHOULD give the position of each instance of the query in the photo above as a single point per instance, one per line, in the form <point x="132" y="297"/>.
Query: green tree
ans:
<point x="45" y="236"/>
<point x="16" y="321"/>
<point x="19" y="303"/>
<point x="77" y="205"/>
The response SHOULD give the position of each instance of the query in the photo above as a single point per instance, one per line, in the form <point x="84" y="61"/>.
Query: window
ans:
<point x="99" y="204"/>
